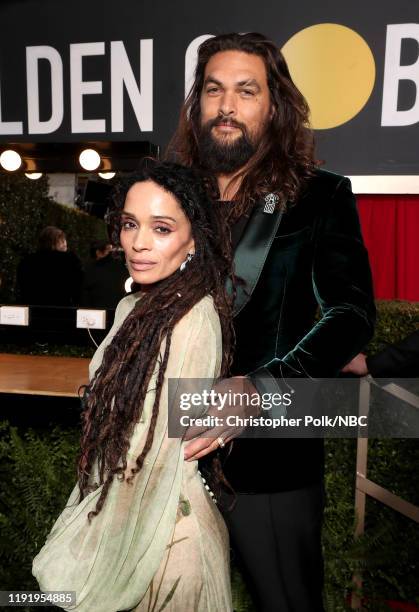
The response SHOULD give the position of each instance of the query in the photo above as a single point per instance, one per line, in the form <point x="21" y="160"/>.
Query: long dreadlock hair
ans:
<point x="284" y="158"/>
<point x="114" y="398"/>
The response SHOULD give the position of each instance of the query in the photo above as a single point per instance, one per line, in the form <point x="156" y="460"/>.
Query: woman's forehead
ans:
<point x="147" y="197"/>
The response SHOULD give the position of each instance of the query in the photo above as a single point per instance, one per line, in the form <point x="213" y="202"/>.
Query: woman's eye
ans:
<point x="212" y="90"/>
<point x="126" y="225"/>
<point x="161" y="229"/>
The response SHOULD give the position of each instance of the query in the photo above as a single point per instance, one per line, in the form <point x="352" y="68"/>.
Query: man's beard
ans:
<point x="224" y="157"/>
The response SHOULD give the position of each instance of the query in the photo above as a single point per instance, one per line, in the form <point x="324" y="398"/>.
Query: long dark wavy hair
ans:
<point x="115" y="397"/>
<point x="284" y="159"/>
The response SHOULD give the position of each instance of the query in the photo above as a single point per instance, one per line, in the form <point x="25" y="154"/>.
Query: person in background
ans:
<point x="104" y="277"/>
<point x="52" y="276"/>
<point x="398" y="360"/>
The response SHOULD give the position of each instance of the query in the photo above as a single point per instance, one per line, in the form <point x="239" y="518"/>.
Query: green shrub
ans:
<point x="395" y="320"/>
<point x="388" y="552"/>
<point x="37" y="474"/>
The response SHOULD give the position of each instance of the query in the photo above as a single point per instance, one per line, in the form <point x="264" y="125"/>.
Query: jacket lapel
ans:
<point x="252" y="251"/>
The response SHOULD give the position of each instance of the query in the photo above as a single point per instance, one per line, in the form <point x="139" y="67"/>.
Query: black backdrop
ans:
<point x="359" y="146"/>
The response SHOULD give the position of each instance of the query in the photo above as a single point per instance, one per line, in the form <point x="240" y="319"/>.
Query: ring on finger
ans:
<point x="221" y="442"/>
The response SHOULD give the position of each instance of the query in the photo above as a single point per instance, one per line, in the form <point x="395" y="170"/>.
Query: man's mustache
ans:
<point x="224" y="121"/>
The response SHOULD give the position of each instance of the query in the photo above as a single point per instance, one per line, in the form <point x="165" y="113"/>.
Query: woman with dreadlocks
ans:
<point x="140" y="531"/>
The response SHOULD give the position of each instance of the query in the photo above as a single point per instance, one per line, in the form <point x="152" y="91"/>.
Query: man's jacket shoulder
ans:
<point x="324" y="182"/>
<point x="325" y="193"/>
<point x="318" y="194"/>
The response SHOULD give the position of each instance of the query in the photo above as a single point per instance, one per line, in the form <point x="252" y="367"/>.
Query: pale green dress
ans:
<point x="159" y="543"/>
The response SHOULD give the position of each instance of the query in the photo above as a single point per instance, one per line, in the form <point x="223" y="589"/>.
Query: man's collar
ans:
<point x="252" y="250"/>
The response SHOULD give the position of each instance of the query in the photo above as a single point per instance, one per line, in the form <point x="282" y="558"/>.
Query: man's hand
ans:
<point x="357" y="366"/>
<point x="201" y="444"/>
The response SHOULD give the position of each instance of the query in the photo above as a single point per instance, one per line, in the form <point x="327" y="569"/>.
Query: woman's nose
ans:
<point x="142" y="240"/>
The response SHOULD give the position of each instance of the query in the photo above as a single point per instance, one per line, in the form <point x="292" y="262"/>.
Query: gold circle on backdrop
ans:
<point x="334" y="69"/>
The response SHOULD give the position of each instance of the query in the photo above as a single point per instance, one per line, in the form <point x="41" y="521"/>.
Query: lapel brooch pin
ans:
<point x="271" y="200"/>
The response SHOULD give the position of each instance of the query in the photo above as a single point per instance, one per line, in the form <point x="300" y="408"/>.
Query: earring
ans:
<point x="187" y="260"/>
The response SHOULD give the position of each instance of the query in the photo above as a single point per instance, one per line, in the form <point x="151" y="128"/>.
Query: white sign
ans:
<point x="14" y="315"/>
<point x="91" y="319"/>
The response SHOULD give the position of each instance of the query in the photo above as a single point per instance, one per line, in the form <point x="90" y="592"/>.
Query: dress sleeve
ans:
<point x="110" y="562"/>
<point x="123" y="308"/>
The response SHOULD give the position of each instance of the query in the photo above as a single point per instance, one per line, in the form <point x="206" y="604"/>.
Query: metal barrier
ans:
<point x="364" y="486"/>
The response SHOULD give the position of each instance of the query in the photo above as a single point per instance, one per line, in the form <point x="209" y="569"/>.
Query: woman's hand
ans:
<point x="203" y="440"/>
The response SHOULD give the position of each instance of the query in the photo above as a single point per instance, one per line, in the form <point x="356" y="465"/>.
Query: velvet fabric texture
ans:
<point x="317" y="259"/>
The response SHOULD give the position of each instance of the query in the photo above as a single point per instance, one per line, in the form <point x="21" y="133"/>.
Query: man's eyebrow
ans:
<point x="249" y="83"/>
<point x="246" y="82"/>
<point x="211" y="79"/>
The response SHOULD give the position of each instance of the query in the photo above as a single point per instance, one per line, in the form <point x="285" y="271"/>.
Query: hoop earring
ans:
<point x="187" y="260"/>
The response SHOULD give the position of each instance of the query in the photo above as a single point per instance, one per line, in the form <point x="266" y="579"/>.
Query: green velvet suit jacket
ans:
<point x="316" y="260"/>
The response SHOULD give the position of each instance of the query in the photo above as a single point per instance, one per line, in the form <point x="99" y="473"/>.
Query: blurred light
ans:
<point x="33" y="175"/>
<point x="128" y="284"/>
<point x="107" y="175"/>
<point x="10" y="160"/>
<point x="89" y="159"/>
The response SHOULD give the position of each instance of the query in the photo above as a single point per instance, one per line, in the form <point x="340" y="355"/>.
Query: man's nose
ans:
<point x="227" y="104"/>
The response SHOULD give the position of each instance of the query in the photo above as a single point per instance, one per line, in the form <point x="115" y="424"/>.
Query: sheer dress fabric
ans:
<point x="160" y="543"/>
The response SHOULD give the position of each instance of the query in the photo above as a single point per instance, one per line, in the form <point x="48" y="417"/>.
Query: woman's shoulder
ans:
<point x="125" y="306"/>
<point x="205" y="307"/>
<point x="206" y="304"/>
<point x="201" y="313"/>
<point x="196" y="344"/>
<point x="202" y="317"/>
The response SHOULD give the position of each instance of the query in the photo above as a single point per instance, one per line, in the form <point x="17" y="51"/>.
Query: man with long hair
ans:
<point x="298" y="248"/>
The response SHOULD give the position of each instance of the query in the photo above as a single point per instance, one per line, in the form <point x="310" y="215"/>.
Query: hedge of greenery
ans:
<point x="388" y="553"/>
<point x="25" y="209"/>
<point x="37" y="473"/>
